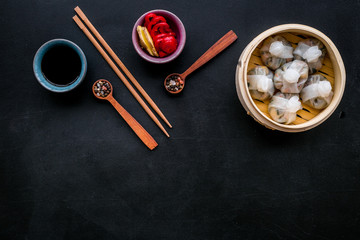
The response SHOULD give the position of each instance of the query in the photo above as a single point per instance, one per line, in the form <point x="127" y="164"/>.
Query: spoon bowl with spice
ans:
<point x="103" y="90"/>
<point x="175" y="83"/>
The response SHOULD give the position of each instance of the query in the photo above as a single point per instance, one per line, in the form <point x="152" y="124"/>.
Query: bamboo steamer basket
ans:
<point x="307" y="118"/>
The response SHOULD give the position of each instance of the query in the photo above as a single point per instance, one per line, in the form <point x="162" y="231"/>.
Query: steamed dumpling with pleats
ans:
<point x="291" y="77"/>
<point x="312" y="51"/>
<point x="317" y="92"/>
<point x="283" y="107"/>
<point x="276" y="51"/>
<point x="260" y="83"/>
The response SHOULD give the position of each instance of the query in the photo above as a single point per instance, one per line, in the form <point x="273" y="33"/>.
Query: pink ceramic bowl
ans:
<point x="175" y="24"/>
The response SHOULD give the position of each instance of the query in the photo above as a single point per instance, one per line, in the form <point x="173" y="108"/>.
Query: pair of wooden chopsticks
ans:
<point x="116" y="69"/>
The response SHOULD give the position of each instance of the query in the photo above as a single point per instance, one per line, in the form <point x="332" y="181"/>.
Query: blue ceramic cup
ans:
<point x="38" y="63"/>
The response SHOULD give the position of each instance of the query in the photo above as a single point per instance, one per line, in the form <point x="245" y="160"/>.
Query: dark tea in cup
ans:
<point x="60" y="65"/>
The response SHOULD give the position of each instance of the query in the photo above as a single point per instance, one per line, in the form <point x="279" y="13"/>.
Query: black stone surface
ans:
<point x="70" y="168"/>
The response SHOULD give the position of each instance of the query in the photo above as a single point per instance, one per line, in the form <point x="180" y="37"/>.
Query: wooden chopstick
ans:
<point x="120" y="64"/>
<point x="120" y="75"/>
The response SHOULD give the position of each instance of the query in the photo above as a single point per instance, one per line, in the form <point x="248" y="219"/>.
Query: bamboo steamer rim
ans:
<point x="244" y="93"/>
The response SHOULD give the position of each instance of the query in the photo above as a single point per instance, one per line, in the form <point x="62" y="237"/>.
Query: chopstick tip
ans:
<point x="76" y="18"/>
<point x="166" y="121"/>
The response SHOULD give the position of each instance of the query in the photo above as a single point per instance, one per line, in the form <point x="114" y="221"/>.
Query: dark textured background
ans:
<point x="70" y="168"/>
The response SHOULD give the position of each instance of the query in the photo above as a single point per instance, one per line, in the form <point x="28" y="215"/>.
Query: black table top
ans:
<point x="71" y="168"/>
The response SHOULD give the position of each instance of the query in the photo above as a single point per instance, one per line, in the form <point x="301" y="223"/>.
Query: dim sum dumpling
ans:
<point x="312" y="51"/>
<point x="291" y="77"/>
<point x="317" y="92"/>
<point x="283" y="107"/>
<point x="260" y="83"/>
<point x="276" y="51"/>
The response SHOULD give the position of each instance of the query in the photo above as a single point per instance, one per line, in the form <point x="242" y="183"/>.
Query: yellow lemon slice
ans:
<point x="146" y="41"/>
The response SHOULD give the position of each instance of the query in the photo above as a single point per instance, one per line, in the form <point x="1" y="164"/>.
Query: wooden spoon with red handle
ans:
<point x="145" y="137"/>
<point x="214" y="50"/>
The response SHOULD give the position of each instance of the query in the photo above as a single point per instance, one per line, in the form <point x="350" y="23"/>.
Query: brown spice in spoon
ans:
<point x="102" y="89"/>
<point x="174" y="83"/>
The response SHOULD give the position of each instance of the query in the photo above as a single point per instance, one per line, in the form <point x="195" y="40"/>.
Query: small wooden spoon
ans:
<point x="214" y="50"/>
<point x="145" y="137"/>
